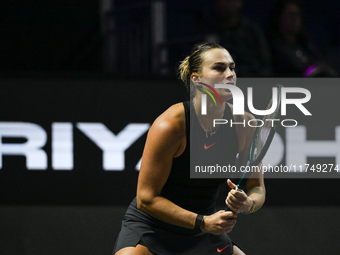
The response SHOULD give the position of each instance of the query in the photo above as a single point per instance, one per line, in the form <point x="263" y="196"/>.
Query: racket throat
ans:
<point x="237" y="188"/>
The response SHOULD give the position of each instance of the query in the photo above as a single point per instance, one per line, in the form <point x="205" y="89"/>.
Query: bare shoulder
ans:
<point x="171" y="123"/>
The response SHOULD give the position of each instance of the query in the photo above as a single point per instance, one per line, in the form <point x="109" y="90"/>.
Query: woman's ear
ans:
<point x="195" y="78"/>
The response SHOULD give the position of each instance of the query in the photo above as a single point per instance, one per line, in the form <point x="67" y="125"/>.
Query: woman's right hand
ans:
<point x="219" y="223"/>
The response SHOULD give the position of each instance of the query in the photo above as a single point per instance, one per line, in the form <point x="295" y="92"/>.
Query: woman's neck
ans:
<point x="213" y="111"/>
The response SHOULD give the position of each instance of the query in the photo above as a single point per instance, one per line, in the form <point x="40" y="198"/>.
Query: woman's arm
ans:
<point x="167" y="140"/>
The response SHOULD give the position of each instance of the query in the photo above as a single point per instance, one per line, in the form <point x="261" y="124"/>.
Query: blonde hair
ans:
<point x="184" y="70"/>
<point x="193" y="63"/>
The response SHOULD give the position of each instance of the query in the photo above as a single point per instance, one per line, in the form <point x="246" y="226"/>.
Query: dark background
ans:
<point x="52" y="67"/>
<point x="71" y="36"/>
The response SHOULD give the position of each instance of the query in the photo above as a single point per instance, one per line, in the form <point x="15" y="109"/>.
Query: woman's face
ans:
<point x="218" y="67"/>
<point x="290" y="20"/>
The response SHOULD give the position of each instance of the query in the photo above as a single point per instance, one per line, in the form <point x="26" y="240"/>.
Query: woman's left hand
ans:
<point x="237" y="200"/>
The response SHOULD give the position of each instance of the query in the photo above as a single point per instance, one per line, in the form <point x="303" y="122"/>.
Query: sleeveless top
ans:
<point x="199" y="195"/>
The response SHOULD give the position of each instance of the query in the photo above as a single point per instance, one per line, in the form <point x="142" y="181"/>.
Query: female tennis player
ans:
<point x="172" y="213"/>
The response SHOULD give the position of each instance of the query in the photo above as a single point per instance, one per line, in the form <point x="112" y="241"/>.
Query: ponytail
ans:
<point x="193" y="63"/>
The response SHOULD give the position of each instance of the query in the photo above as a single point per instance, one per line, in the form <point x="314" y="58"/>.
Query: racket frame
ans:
<point x="242" y="181"/>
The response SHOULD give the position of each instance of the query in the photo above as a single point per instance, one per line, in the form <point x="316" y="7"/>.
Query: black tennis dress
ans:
<point x="196" y="195"/>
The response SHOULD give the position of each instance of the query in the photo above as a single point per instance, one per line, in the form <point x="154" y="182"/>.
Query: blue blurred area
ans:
<point x="322" y="18"/>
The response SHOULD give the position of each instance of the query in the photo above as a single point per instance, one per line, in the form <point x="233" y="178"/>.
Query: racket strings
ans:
<point x="264" y="132"/>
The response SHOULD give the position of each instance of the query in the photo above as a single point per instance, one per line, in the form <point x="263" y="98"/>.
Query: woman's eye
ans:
<point x="220" y="68"/>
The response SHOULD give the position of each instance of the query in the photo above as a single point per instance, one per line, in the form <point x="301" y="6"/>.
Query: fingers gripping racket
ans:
<point x="262" y="138"/>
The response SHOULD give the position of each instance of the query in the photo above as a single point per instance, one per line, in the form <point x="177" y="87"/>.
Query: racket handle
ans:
<point x="227" y="209"/>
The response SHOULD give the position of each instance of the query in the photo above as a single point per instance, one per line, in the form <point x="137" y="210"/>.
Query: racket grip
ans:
<point x="227" y="209"/>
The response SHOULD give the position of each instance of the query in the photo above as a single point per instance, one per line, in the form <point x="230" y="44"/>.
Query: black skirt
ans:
<point x="165" y="239"/>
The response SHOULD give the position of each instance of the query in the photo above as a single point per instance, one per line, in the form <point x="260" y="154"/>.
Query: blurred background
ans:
<point x="82" y="81"/>
<point x="149" y="38"/>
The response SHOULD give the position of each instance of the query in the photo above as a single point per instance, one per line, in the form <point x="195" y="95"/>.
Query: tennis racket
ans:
<point x="262" y="138"/>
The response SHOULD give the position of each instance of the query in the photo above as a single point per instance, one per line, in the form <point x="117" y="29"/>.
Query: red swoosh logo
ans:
<point x="207" y="147"/>
<point x="220" y="250"/>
